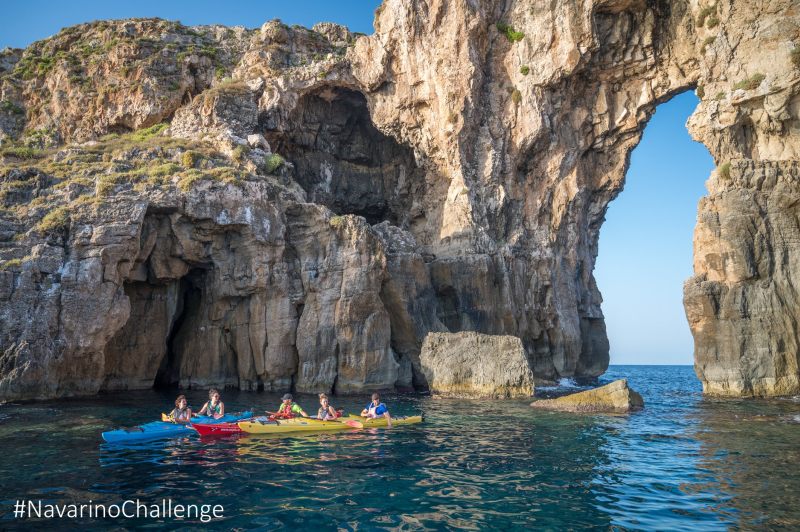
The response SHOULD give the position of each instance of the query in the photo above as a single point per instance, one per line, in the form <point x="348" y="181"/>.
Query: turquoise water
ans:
<point x="683" y="462"/>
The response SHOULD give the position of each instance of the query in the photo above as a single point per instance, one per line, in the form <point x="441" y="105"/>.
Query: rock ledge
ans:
<point x="615" y="397"/>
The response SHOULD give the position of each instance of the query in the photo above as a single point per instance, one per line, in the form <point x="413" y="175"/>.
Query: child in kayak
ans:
<point x="326" y="411"/>
<point x="181" y="413"/>
<point x="214" y="407"/>
<point x="376" y="409"/>
<point x="289" y="408"/>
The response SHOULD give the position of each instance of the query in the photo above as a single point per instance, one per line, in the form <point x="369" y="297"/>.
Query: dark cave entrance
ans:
<point x="149" y="350"/>
<point x="343" y="161"/>
<point x="188" y="306"/>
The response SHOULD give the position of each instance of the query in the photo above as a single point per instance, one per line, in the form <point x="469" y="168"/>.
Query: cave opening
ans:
<point x="187" y="305"/>
<point x="343" y="161"/>
<point x="646" y="241"/>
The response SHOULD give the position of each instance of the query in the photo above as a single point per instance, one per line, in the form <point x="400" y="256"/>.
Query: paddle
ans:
<point x="352" y="423"/>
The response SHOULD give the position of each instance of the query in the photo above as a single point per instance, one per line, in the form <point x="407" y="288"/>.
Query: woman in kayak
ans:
<point x="326" y="411"/>
<point x="214" y="407"/>
<point x="376" y="409"/>
<point x="181" y="413"/>
<point x="288" y="408"/>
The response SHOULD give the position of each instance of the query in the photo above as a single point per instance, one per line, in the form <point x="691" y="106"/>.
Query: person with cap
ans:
<point x="289" y="409"/>
<point x="376" y="409"/>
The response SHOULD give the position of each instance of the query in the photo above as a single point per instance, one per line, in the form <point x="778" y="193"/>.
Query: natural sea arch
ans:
<point x="645" y="251"/>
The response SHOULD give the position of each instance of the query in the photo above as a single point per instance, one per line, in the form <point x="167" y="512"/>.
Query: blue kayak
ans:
<point x="166" y="429"/>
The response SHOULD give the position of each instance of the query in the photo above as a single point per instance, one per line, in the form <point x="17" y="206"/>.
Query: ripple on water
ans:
<point x="682" y="462"/>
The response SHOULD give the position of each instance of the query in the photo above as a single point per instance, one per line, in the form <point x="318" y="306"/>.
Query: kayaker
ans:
<point x="214" y="407"/>
<point x="289" y="408"/>
<point x="326" y="411"/>
<point x="376" y="409"/>
<point x="181" y="413"/>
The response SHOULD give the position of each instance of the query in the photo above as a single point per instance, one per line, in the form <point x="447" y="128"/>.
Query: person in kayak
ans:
<point x="289" y="408"/>
<point x="376" y="409"/>
<point x="326" y="411"/>
<point x="214" y="407"/>
<point x="181" y="413"/>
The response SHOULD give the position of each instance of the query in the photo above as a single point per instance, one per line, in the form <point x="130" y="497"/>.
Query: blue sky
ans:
<point x="646" y="242"/>
<point x="25" y="22"/>
<point x="645" y="251"/>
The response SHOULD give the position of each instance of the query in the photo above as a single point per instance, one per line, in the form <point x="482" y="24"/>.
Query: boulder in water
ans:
<point x="470" y="364"/>
<point x="615" y="397"/>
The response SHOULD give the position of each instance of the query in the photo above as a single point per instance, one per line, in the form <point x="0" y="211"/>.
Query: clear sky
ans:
<point x="645" y="251"/>
<point x="646" y="241"/>
<point x="25" y="22"/>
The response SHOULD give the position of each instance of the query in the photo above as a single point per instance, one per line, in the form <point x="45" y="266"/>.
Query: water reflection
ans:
<point x="682" y="462"/>
<point x="751" y="450"/>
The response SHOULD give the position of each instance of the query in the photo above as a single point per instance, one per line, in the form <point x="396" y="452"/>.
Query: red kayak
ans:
<point x="216" y="429"/>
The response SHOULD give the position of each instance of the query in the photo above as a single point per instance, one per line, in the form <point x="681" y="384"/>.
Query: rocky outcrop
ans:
<point x="613" y="398"/>
<point x="449" y="173"/>
<point x="743" y="309"/>
<point x="471" y="364"/>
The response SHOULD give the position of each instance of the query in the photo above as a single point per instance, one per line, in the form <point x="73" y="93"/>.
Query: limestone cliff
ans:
<point x="289" y="208"/>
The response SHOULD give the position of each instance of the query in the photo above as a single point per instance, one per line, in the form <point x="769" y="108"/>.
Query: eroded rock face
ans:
<point x="471" y="364"/>
<point x="449" y="173"/>
<point x="613" y="398"/>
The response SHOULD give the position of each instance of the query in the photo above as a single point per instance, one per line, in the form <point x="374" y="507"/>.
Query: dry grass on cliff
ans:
<point x="41" y="188"/>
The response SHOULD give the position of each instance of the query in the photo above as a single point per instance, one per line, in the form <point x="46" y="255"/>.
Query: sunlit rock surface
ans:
<point x="470" y="364"/>
<point x="613" y="398"/>
<point x="449" y="173"/>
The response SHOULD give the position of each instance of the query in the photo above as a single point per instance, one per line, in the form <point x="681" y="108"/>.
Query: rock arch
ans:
<point x="548" y="100"/>
<point x="514" y="120"/>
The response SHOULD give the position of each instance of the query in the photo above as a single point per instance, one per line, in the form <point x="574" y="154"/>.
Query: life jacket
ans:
<point x="284" y="412"/>
<point x="179" y="415"/>
<point x="211" y="409"/>
<point x="322" y="413"/>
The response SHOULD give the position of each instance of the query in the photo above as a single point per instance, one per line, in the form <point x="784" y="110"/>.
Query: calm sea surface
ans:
<point x="683" y="463"/>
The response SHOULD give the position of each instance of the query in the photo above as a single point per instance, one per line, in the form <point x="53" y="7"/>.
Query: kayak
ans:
<point x="313" y="425"/>
<point x="165" y="429"/>
<point x="149" y="431"/>
<point x="217" y="429"/>
<point x="381" y="421"/>
<point x="298" y="424"/>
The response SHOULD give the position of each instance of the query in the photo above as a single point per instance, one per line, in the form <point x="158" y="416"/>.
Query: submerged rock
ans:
<point x="471" y="364"/>
<point x="615" y="397"/>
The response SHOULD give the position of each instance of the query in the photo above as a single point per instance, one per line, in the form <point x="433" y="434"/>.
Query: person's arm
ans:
<point x="365" y="412"/>
<point x="188" y="417"/>
<point x="388" y="418"/>
<point x="204" y="410"/>
<point x="331" y="412"/>
<point x="221" y="411"/>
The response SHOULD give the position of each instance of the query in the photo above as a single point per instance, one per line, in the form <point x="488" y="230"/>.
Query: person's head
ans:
<point x="287" y="398"/>
<point x="323" y="400"/>
<point x="376" y="399"/>
<point x="213" y="395"/>
<point x="180" y="402"/>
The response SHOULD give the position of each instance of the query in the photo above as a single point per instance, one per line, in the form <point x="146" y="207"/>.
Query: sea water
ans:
<point x="684" y="462"/>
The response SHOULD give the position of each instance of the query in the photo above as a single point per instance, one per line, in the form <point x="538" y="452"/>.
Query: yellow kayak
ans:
<point x="298" y="424"/>
<point x="305" y="424"/>
<point x="381" y="421"/>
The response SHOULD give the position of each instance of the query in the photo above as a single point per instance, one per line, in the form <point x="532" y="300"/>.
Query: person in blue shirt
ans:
<point x="376" y="409"/>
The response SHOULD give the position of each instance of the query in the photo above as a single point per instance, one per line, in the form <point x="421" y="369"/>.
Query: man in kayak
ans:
<point x="376" y="409"/>
<point x="289" y="408"/>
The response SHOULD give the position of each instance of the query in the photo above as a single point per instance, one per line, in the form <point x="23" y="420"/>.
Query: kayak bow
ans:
<point x="165" y="429"/>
